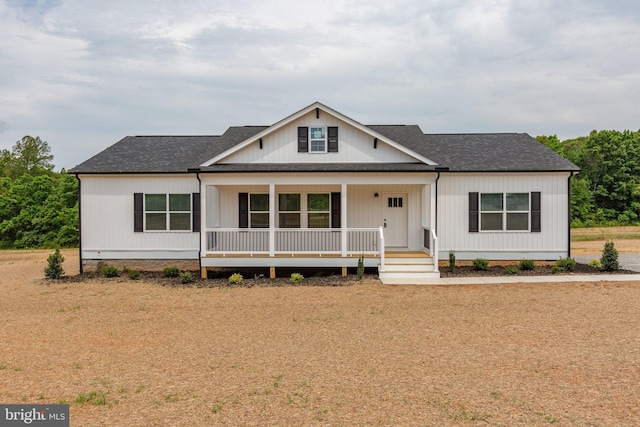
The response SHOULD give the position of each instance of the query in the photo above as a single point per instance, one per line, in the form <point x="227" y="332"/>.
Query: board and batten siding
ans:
<point x="453" y="216"/>
<point x="354" y="146"/>
<point x="107" y="218"/>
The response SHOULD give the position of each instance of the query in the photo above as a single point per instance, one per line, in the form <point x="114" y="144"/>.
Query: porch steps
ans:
<point x="402" y="268"/>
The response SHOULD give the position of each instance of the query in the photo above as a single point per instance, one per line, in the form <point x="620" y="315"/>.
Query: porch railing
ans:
<point x="359" y="241"/>
<point x="431" y="244"/>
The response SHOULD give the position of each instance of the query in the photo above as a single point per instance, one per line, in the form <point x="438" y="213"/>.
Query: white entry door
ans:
<point x="395" y="214"/>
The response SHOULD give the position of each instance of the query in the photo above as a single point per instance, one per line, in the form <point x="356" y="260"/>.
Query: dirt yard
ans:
<point x="131" y="353"/>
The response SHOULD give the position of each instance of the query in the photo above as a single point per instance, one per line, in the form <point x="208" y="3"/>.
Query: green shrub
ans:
<point x="510" y="270"/>
<point x="527" y="264"/>
<point x="171" y="272"/>
<point x="54" y="270"/>
<point x="567" y="264"/>
<point x="480" y="264"/>
<point x="133" y="275"/>
<point x="110" y="271"/>
<point x="594" y="263"/>
<point x="236" y="279"/>
<point x="452" y="261"/>
<point x="296" y="278"/>
<point x="609" y="259"/>
<point x="186" y="277"/>
<point x="126" y="270"/>
<point x="360" y="267"/>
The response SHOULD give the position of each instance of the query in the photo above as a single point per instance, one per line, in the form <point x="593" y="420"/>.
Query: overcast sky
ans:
<point x="82" y="74"/>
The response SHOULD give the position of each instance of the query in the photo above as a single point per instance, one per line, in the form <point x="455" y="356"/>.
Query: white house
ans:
<point x="319" y="189"/>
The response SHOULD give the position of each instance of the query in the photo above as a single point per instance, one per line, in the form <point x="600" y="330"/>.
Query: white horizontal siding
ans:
<point x="282" y="146"/>
<point x="453" y="216"/>
<point x="107" y="215"/>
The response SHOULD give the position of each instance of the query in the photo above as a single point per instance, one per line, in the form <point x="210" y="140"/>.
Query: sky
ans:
<point x="82" y="74"/>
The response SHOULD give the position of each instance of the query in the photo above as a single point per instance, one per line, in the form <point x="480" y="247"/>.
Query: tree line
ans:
<point x="38" y="207"/>
<point x="607" y="189"/>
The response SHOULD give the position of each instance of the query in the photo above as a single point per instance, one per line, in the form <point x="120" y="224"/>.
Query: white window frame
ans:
<point x="327" y="212"/>
<point x="258" y="212"/>
<point x="298" y="212"/>
<point x="167" y="212"/>
<point x="325" y="140"/>
<point x="504" y="212"/>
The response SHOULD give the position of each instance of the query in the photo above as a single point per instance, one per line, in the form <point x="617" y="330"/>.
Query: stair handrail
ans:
<point x="381" y="249"/>
<point x="434" y="253"/>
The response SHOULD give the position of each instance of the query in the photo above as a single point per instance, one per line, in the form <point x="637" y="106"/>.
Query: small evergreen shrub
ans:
<point x="480" y="264"/>
<point x="594" y="263"/>
<point x="527" y="264"/>
<point x="360" y="267"/>
<point x="126" y="270"/>
<point x="296" y="278"/>
<point x="186" y="277"/>
<point x="171" y="272"/>
<point x="452" y="261"/>
<point x="510" y="270"/>
<point x="133" y="275"/>
<point x="54" y="270"/>
<point x="236" y="279"/>
<point x="556" y="269"/>
<point x="567" y="264"/>
<point x="609" y="259"/>
<point x="110" y="271"/>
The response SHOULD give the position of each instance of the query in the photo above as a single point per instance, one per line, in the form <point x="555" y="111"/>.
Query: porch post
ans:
<point x="343" y="219"/>
<point x="203" y="229"/>
<point x="272" y="220"/>
<point x="433" y="226"/>
<point x="203" y="220"/>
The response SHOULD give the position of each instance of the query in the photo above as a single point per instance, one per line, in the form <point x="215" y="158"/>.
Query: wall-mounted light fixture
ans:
<point x="375" y="195"/>
<point x="375" y="143"/>
<point x="261" y="143"/>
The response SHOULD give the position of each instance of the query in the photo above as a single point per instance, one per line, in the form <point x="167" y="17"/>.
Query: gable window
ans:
<point x="318" y="210"/>
<point x="167" y="212"/>
<point x="318" y="139"/>
<point x="289" y="210"/>
<point x="504" y="212"/>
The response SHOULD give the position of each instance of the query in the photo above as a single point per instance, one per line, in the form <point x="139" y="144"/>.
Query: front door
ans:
<point x="395" y="214"/>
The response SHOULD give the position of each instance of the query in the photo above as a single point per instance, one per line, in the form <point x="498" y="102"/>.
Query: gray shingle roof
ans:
<point x="492" y="152"/>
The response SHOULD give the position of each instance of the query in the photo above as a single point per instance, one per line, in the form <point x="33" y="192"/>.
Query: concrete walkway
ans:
<point x="559" y="278"/>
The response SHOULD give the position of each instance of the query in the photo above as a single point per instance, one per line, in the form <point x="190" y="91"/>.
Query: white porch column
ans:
<point x="343" y="219"/>
<point x="433" y="226"/>
<point x="203" y="220"/>
<point x="272" y="219"/>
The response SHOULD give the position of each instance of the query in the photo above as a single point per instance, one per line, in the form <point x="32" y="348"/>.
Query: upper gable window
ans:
<point x="318" y="139"/>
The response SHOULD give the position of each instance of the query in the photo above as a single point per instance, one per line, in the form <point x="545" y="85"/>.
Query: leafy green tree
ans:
<point x="30" y="155"/>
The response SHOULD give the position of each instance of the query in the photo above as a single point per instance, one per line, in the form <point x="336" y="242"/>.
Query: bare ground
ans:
<point x="142" y="354"/>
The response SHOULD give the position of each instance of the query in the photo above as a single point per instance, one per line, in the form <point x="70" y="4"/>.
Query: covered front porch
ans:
<point x="328" y="220"/>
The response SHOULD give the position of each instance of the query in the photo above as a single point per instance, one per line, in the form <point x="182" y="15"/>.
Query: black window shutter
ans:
<point x="243" y="211"/>
<point x="335" y="210"/>
<point x="536" y="223"/>
<point x="474" y="213"/>
<point x="195" y="212"/>
<point x="333" y="139"/>
<point x="303" y="139"/>
<point x="138" y="212"/>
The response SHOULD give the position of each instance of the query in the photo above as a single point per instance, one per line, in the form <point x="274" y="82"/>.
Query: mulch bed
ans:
<point x="540" y="270"/>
